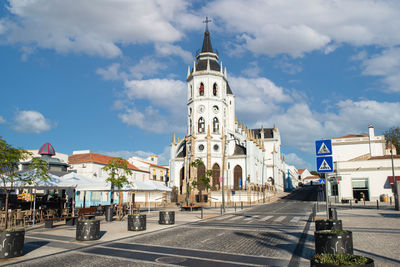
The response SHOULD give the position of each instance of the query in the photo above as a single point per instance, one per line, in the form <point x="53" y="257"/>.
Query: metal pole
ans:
<point x="223" y="180"/>
<point x="202" y="212"/>
<point x="263" y="181"/>
<point x="34" y="208"/>
<point x="395" y="193"/>
<point x="326" y="196"/>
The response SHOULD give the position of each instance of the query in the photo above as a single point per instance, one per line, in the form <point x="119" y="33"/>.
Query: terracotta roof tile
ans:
<point x="300" y="171"/>
<point x="96" y="158"/>
<point x="152" y="164"/>
<point x="384" y="157"/>
<point x="351" y="135"/>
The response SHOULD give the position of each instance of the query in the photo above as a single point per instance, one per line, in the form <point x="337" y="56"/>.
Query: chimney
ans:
<point x="371" y="132"/>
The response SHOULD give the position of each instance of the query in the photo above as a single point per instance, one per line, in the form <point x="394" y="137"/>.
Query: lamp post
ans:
<point x="395" y="193"/>
<point x="262" y="180"/>
<point x="188" y="174"/>
<point x="223" y="179"/>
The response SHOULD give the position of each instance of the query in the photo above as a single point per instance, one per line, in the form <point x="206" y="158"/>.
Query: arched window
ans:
<point x="215" y="89"/>
<point x="201" y="89"/>
<point x="201" y="126"/>
<point x="190" y="126"/>
<point x="215" y="125"/>
<point x="216" y="173"/>
<point x="191" y="91"/>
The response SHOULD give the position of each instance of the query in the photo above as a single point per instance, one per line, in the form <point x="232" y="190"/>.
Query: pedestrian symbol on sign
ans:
<point x="324" y="149"/>
<point x="325" y="166"/>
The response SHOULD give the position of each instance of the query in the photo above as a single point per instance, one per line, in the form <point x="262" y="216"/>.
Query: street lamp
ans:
<point x="187" y="182"/>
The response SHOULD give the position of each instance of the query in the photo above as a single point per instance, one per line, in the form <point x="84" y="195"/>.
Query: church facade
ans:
<point x="242" y="159"/>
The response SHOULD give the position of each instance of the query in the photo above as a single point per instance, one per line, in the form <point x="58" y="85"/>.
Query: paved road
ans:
<point x="271" y="234"/>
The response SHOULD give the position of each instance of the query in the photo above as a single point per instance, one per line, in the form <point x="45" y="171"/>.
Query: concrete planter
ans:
<point x="12" y="243"/>
<point x="333" y="243"/>
<point x="167" y="217"/>
<point x="88" y="230"/>
<point x="136" y="222"/>
<point x="328" y="225"/>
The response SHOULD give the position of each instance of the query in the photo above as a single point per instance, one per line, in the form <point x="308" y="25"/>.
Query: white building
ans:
<point x="363" y="165"/>
<point x="150" y="165"/>
<point x="246" y="158"/>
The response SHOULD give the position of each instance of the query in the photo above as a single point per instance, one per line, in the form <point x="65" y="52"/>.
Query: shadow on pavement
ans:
<point x="373" y="255"/>
<point x="31" y="246"/>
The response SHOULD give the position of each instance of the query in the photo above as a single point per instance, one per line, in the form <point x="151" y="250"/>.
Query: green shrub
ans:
<point x="333" y="231"/>
<point x="340" y="259"/>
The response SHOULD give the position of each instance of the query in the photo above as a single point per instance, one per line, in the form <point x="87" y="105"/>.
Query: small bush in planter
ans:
<point x="340" y="260"/>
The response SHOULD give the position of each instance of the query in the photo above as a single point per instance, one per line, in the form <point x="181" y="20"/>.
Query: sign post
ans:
<point x="323" y="152"/>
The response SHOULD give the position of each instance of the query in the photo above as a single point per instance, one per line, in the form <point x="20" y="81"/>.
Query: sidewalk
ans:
<point x="376" y="232"/>
<point x="40" y="241"/>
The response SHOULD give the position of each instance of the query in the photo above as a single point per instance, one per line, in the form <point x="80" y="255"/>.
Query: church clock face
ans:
<point x="201" y="109"/>
<point x="215" y="109"/>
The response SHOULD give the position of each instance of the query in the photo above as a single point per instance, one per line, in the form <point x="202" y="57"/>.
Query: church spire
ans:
<point x="207" y="47"/>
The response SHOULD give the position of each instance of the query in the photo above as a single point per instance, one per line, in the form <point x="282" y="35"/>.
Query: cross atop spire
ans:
<point x="206" y="22"/>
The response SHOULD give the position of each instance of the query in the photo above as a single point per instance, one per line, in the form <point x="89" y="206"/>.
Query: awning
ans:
<point x="391" y="179"/>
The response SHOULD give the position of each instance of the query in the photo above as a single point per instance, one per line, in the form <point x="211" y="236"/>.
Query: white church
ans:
<point x="245" y="160"/>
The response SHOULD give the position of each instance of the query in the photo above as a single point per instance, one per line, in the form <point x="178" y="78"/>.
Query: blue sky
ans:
<point x="109" y="76"/>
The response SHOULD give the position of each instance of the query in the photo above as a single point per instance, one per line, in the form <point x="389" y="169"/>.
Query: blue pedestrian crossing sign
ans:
<point x="324" y="164"/>
<point x="321" y="181"/>
<point x="323" y="147"/>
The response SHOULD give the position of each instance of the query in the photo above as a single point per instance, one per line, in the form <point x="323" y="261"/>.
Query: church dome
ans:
<point x="47" y="149"/>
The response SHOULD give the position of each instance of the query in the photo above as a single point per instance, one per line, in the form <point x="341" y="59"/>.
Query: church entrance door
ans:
<point x="181" y="178"/>
<point x="237" y="178"/>
<point x="216" y="173"/>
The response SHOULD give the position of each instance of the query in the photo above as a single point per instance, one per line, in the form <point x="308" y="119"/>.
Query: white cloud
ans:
<point x="94" y="28"/>
<point x="166" y="110"/>
<point x="296" y="27"/>
<point x="166" y="49"/>
<point x="298" y="162"/>
<point x="386" y="65"/>
<point x="112" y="72"/>
<point x="287" y="66"/>
<point x="30" y="121"/>
<point x="163" y="158"/>
<point x="2" y="120"/>
<point x="145" y="67"/>
<point x="300" y="126"/>
<point x="253" y="70"/>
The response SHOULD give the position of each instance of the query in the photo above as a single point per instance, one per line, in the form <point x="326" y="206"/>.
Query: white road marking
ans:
<point x="295" y="219"/>
<point x="267" y="218"/>
<point x="279" y="219"/>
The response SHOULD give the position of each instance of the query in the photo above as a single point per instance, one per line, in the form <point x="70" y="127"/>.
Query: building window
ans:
<point x="215" y="125"/>
<point x="201" y="126"/>
<point x="191" y="91"/>
<point x="215" y="89"/>
<point x="201" y="147"/>
<point x="190" y="126"/>
<point x="154" y="177"/>
<point x="201" y="89"/>
<point x="96" y="196"/>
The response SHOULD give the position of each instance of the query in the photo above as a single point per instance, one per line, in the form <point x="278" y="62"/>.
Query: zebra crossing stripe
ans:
<point x="224" y="218"/>
<point x="295" y="219"/>
<point x="249" y="218"/>
<point x="266" y="218"/>
<point x="235" y="218"/>
<point x="279" y="219"/>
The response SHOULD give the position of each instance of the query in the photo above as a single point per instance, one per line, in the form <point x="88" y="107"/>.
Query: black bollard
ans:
<point x="377" y="204"/>
<point x="241" y="205"/>
<point x="351" y="204"/>
<point x="390" y="201"/>
<point x="220" y="209"/>
<point x="202" y="212"/>
<point x="235" y="206"/>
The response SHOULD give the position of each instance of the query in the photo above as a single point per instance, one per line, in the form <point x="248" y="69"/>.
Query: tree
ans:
<point x="203" y="182"/>
<point x="315" y="173"/>
<point x="393" y="135"/>
<point x="9" y="160"/>
<point x="118" y="171"/>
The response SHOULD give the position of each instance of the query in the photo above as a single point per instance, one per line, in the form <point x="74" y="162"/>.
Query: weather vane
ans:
<point x="206" y="22"/>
